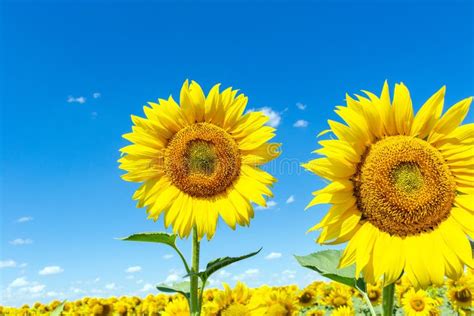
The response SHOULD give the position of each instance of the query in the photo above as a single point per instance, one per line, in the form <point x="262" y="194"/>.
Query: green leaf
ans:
<point x="58" y="310"/>
<point x="181" y="288"/>
<point x="160" y="237"/>
<point x="220" y="263"/>
<point x="326" y="262"/>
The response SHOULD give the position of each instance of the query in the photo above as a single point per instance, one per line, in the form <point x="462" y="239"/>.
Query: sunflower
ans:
<point x="307" y="297"/>
<point x="461" y="292"/>
<point x="417" y="303"/>
<point x="177" y="307"/>
<point x="401" y="187"/>
<point x="374" y="292"/>
<point x="200" y="159"/>
<point x="229" y="302"/>
<point x="339" y="296"/>
<point x="343" y="311"/>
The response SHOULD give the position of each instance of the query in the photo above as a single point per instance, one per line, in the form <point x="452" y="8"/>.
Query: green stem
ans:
<point x="182" y="259"/>
<point x="194" y="301"/>
<point x="388" y="299"/>
<point x="369" y="303"/>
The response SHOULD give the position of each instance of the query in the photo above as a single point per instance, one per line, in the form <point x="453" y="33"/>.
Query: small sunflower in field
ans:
<point x="338" y="296"/>
<point x="229" y="302"/>
<point x="401" y="187"/>
<point x="461" y="292"/>
<point x="374" y="292"/>
<point x="307" y="297"/>
<point x="417" y="303"/>
<point x="200" y="159"/>
<point x="343" y="311"/>
<point x="275" y="302"/>
<point x="177" y="307"/>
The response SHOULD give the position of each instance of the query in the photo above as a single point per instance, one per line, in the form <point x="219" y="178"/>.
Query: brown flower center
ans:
<point x="202" y="160"/>
<point x="403" y="186"/>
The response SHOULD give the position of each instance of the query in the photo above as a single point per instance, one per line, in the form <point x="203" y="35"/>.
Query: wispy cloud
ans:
<point x="111" y="286"/>
<point x="96" y="95"/>
<point x="7" y="264"/>
<point x="49" y="270"/>
<point x="301" y="123"/>
<point x="94" y="115"/>
<point x="250" y="273"/>
<point x="19" y="282"/>
<point x="274" y="116"/>
<point x="24" y="219"/>
<point x="133" y="269"/>
<point x="147" y="287"/>
<point x="301" y="106"/>
<point x="270" y="204"/>
<point x="290" y="199"/>
<point x="80" y="100"/>
<point x="273" y="255"/>
<point x="21" y="242"/>
<point x="168" y="256"/>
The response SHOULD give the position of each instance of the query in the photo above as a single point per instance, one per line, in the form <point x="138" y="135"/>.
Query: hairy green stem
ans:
<point x="388" y="299"/>
<point x="194" y="301"/>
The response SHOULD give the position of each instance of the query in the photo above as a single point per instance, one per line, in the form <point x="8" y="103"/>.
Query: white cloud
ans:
<point x="270" y="204"/>
<point x="273" y="255"/>
<point x="301" y="123"/>
<point x="301" y="106"/>
<point x="172" y="278"/>
<point x="168" y="256"/>
<point x="21" y="241"/>
<point x="36" y="288"/>
<point x="24" y="219"/>
<point x="274" y="117"/>
<point x="133" y="269"/>
<point x="51" y="270"/>
<point x="96" y="95"/>
<point x="80" y="100"/>
<point x="290" y="200"/>
<point x="147" y="287"/>
<point x="250" y="273"/>
<point x="111" y="286"/>
<point x="23" y="265"/>
<point x="7" y="264"/>
<point x="19" y="282"/>
<point x="130" y="277"/>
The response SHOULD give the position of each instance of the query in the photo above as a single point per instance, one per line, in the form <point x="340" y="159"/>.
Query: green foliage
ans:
<point x="326" y="263"/>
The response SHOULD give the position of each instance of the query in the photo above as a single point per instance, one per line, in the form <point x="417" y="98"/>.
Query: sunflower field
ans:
<point x="318" y="298"/>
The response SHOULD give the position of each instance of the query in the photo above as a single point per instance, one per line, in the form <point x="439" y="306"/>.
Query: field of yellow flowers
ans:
<point x="318" y="298"/>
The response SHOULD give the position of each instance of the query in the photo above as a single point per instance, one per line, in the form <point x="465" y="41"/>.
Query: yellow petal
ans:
<point x="402" y="109"/>
<point x="450" y="120"/>
<point x="428" y="114"/>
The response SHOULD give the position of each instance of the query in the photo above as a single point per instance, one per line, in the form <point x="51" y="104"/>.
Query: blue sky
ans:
<point x="73" y="72"/>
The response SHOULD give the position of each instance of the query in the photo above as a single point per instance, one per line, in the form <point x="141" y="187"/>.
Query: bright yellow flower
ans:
<point x="417" y="303"/>
<point x="338" y="296"/>
<point x="200" y="160"/>
<point x="274" y="302"/>
<point x="374" y="292"/>
<point x="461" y="292"/>
<point x="343" y="311"/>
<point x="402" y="187"/>
<point x="177" y="307"/>
<point x="229" y="302"/>
<point x="307" y="297"/>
